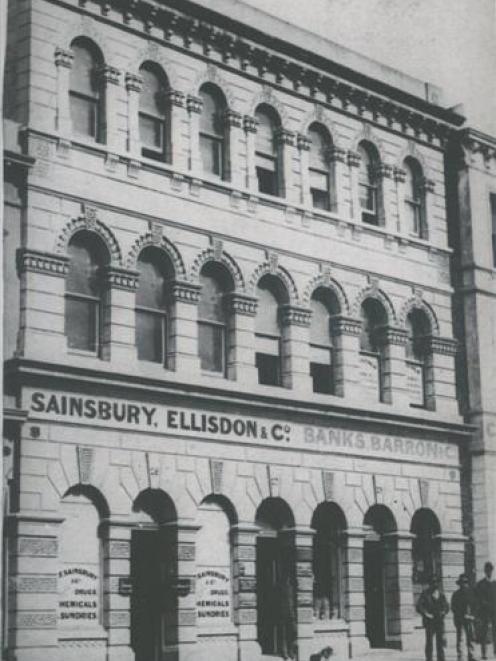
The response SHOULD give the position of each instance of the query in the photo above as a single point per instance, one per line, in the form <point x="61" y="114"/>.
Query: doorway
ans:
<point x="373" y="570"/>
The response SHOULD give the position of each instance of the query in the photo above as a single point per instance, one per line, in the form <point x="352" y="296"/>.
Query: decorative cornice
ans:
<point x="391" y="335"/>
<point x="303" y="142"/>
<point x="242" y="304"/>
<point x="343" y="325"/>
<point x="134" y="83"/>
<point x="109" y="74"/>
<point x="293" y="315"/>
<point x="441" y="345"/>
<point x="194" y="104"/>
<point x="175" y="98"/>
<point x="249" y="124"/>
<point x="185" y="292"/>
<point x="38" y="261"/>
<point x="283" y="136"/>
<point x="353" y="159"/>
<point x="232" y="118"/>
<point x="120" y="278"/>
<point x="64" y="58"/>
<point x="479" y="143"/>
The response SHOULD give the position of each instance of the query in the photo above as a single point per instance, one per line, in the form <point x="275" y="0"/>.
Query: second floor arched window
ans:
<point x="268" y="332"/>
<point x="213" y="318"/>
<point x="84" y="291"/>
<point x="152" y="112"/>
<point x="152" y="305"/>
<point x="266" y="151"/>
<point x="212" y="131"/>
<point x="323" y="305"/>
<point x="85" y="92"/>
<point x="414" y="203"/>
<point x="373" y="317"/>
<point x="368" y="183"/>
<point x="418" y="327"/>
<point x="319" y="172"/>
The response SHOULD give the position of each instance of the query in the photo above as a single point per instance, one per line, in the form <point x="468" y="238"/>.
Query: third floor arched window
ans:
<point x="266" y="151"/>
<point x="212" y="131"/>
<point x="368" y="183"/>
<point x="414" y="199"/>
<point x="319" y="171"/>
<point x="153" y="112"/>
<point x="85" y="91"/>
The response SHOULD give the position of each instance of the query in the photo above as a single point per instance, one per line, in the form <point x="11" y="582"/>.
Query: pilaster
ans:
<point x="441" y="377"/>
<point x="233" y="125"/>
<point x="394" y="385"/>
<point x="303" y="543"/>
<point x="295" y="322"/>
<point x="183" y="338"/>
<point x="194" y="106"/>
<point x="241" y="338"/>
<point x="383" y="175"/>
<point x="285" y="141"/>
<point x="134" y="84"/>
<point x="177" y="126"/>
<point x="250" y="128"/>
<point x="399" y="176"/>
<point x="63" y="62"/>
<point x="353" y="159"/>
<point x="109" y="82"/>
<point x="244" y="549"/>
<point x="400" y="572"/>
<point x="355" y="590"/>
<point x="118" y="331"/>
<point x="346" y="343"/>
<point x="304" y="143"/>
<point x="428" y="212"/>
<point x="339" y="182"/>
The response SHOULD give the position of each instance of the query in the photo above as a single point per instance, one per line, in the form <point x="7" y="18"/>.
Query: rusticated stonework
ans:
<point x="36" y="620"/>
<point x="186" y="551"/>
<point x="38" y="546"/>
<point x="37" y="584"/>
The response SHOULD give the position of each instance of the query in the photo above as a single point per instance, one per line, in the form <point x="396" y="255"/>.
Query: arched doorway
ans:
<point x="380" y="567"/>
<point x="276" y="579"/>
<point x="153" y="576"/>
<point x="426" y="549"/>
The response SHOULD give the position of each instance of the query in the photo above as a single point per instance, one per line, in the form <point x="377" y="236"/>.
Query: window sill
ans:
<point x="83" y="353"/>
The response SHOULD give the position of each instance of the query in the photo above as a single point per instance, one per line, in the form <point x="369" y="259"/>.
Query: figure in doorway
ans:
<point x="485" y="594"/>
<point x="287" y="609"/>
<point x="433" y="607"/>
<point x="464" y="606"/>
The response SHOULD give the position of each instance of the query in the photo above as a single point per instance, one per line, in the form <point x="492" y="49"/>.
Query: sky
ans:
<point x="451" y="43"/>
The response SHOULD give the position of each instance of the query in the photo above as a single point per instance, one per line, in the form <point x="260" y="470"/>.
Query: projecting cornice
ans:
<point x="188" y="26"/>
<point x="477" y="142"/>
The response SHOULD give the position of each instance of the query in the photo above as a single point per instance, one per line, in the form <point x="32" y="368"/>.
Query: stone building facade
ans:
<point x="231" y="407"/>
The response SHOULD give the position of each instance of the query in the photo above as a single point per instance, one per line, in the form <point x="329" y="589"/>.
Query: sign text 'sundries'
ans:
<point x="182" y="422"/>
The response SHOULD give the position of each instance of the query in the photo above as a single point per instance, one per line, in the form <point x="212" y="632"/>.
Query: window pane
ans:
<point x="415" y="382"/>
<point x="267" y="181"/>
<point x="320" y="199"/>
<point x="82" y="277"/>
<point x="322" y="378"/>
<point x="267" y="319"/>
<point x="319" y="326"/>
<point x="319" y="179"/>
<point x="317" y="149"/>
<point x="82" y="78"/>
<point x="367" y="197"/>
<point x="268" y="345"/>
<point x="83" y="115"/>
<point x="151" y="132"/>
<point x="211" y="306"/>
<point x="81" y="319"/>
<point x="149" y="97"/>
<point x="209" y="118"/>
<point x="211" y="347"/>
<point x="412" y="212"/>
<point x="211" y="150"/>
<point x="264" y="140"/>
<point x="265" y="162"/>
<point x="269" y="369"/>
<point x="151" y="291"/>
<point x="150" y="336"/>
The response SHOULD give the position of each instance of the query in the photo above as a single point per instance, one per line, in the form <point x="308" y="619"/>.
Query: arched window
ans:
<point x="368" y="184"/>
<point x="323" y="304"/>
<point x="152" y="112"/>
<point x="266" y="152"/>
<point x="84" y="290"/>
<point x="268" y="356"/>
<point x="414" y="204"/>
<point x="329" y="524"/>
<point x="85" y="94"/>
<point x="426" y="548"/>
<point x="212" y="131"/>
<point x="151" y="305"/>
<point x="373" y="317"/>
<point x="418" y="327"/>
<point x="212" y="318"/>
<point x="320" y="179"/>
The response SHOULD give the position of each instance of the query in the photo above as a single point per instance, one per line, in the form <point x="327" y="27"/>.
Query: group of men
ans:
<point x="474" y="615"/>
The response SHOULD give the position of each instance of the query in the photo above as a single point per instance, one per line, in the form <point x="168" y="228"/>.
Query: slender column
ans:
<point x="401" y="608"/>
<point x="241" y="338"/>
<point x="134" y="86"/>
<point x="185" y="588"/>
<point x="250" y="127"/>
<point x="183" y="340"/>
<point x="383" y="175"/>
<point x="303" y="143"/>
<point x="63" y="62"/>
<point x="428" y="211"/>
<point x="440" y="377"/>
<point x="118" y="329"/>
<point x="285" y="142"/>
<point x="353" y="165"/>
<point x="400" y="177"/>
<point x="109" y="81"/>
<point x="244" y="549"/>
<point x="339" y="182"/>
<point x="33" y="562"/>
<point x="355" y="590"/>
<point x="295" y="323"/>
<point x="232" y="121"/>
<point x="116" y="540"/>
<point x="177" y="140"/>
<point x="346" y="345"/>
<point x="194" y="105"/>
<point x="303" y="543"/>
<point x="394" y="385"/>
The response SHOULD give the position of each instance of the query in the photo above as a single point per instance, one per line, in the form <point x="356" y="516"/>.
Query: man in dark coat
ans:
<point x="464" y="607"/>
<point x="485" y="594"/>
<point x="433" y="607"/>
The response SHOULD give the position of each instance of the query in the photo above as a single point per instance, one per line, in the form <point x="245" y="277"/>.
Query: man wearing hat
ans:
<point x="485" y="594"/>
<point x="433" y="607"/>
<point x="464" y="607"/>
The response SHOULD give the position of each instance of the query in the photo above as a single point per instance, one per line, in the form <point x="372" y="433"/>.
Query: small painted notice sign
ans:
<point x="78" y="597"/>
<point x="213" y="596"/>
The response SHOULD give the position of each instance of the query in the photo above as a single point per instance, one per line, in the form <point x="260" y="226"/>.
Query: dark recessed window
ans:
<point x="151" y="306"/>
<point x="212" y="141"/>
<point x="266" y="158"/>
<point x="367" y="184"/>
<point x="84" y="90"/>
<point x="152" y="112"/>
<point x="373" y="318"/>
<point x="414" y="207"/>
<point x="212" y="320"/>
<point x="268" y="336"/>
<point x="319" y="167"/>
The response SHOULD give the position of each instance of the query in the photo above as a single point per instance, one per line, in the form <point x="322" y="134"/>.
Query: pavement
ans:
<point x="396" y="655"/>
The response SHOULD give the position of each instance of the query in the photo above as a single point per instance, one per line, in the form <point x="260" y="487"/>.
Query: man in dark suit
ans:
<point x="433" y="607"/>
<point x="464" y="607"/>
<point x="485" y="593"/>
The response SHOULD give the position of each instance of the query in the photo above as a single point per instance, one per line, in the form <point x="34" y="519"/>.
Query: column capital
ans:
<point x="194" y="104"/>
<point x="399" y="174"/>
<point x="353" y="158"/>
<point x="121" y="278"/>
<point x="249" y="124"/>
<point x="441" y="345"/>
<point x="108" y="74"/>
<point x="284" y="136"/>
<point x="303" y="142"/>
<point x="242" y="304"/>
<point x="391" y="335"/>
<point x="134" y="82"/>
<point x="185" y="292"/>
<point x="293" y="315"/>
<point x="175" y="98"/>
<point x="38" y="261"/>
<point x="232" y="118"/>
<point x="427" y="185"/>
<point x="336" y="154"/>
<point x="64" y="58"/>
<point x="343" y="325"/>
<point x="383" y="171"/>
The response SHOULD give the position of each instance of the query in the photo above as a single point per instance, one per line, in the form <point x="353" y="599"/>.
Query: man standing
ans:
<point x="464" y="606"/>
<point x="485" y="593"/>
<point x="433" y="607"/>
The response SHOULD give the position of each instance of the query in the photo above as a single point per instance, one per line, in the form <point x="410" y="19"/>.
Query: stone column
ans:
<point x="183" y="338"/>
<point x="134" y="86"/>
<point x="353" y="165"/>
<point x="428" y="210"/>
<point x="383" y="174"/>
<point x="244" y="550"/>
<point x="232" y="123"/>
<point x="295" y="348"/>
<point x="32" y="605"/>
<point x="392" y="342"/>
<point x="241" y="338"/>
<point x="116" y="540"/>
<point x="399" y="176"/>
<point x="63" y="62"/>
<point x="118" y="324"/>
<point x="250" y="127"/>
<point x="285" y="140"/>
<point x="109" y="82"/>
<point x="440" y="375"/>
<point x="177" y="126"/>
<point x="194" y="105"/>
<point x="304" y="143"/>
<point x="339" y="182"/>
<point x="42" y="320"/>
<point x="355" y="590"/>
<point x="303" y="543"/>
<point x="400" y="572"/>
<point x="185" y="589"/>
<point x="452" y="565"/>
<point x="346" y="348"/>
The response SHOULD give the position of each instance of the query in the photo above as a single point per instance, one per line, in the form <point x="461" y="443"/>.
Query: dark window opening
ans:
<point x="152" y="116"/>
<point x="269" y="369"/>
